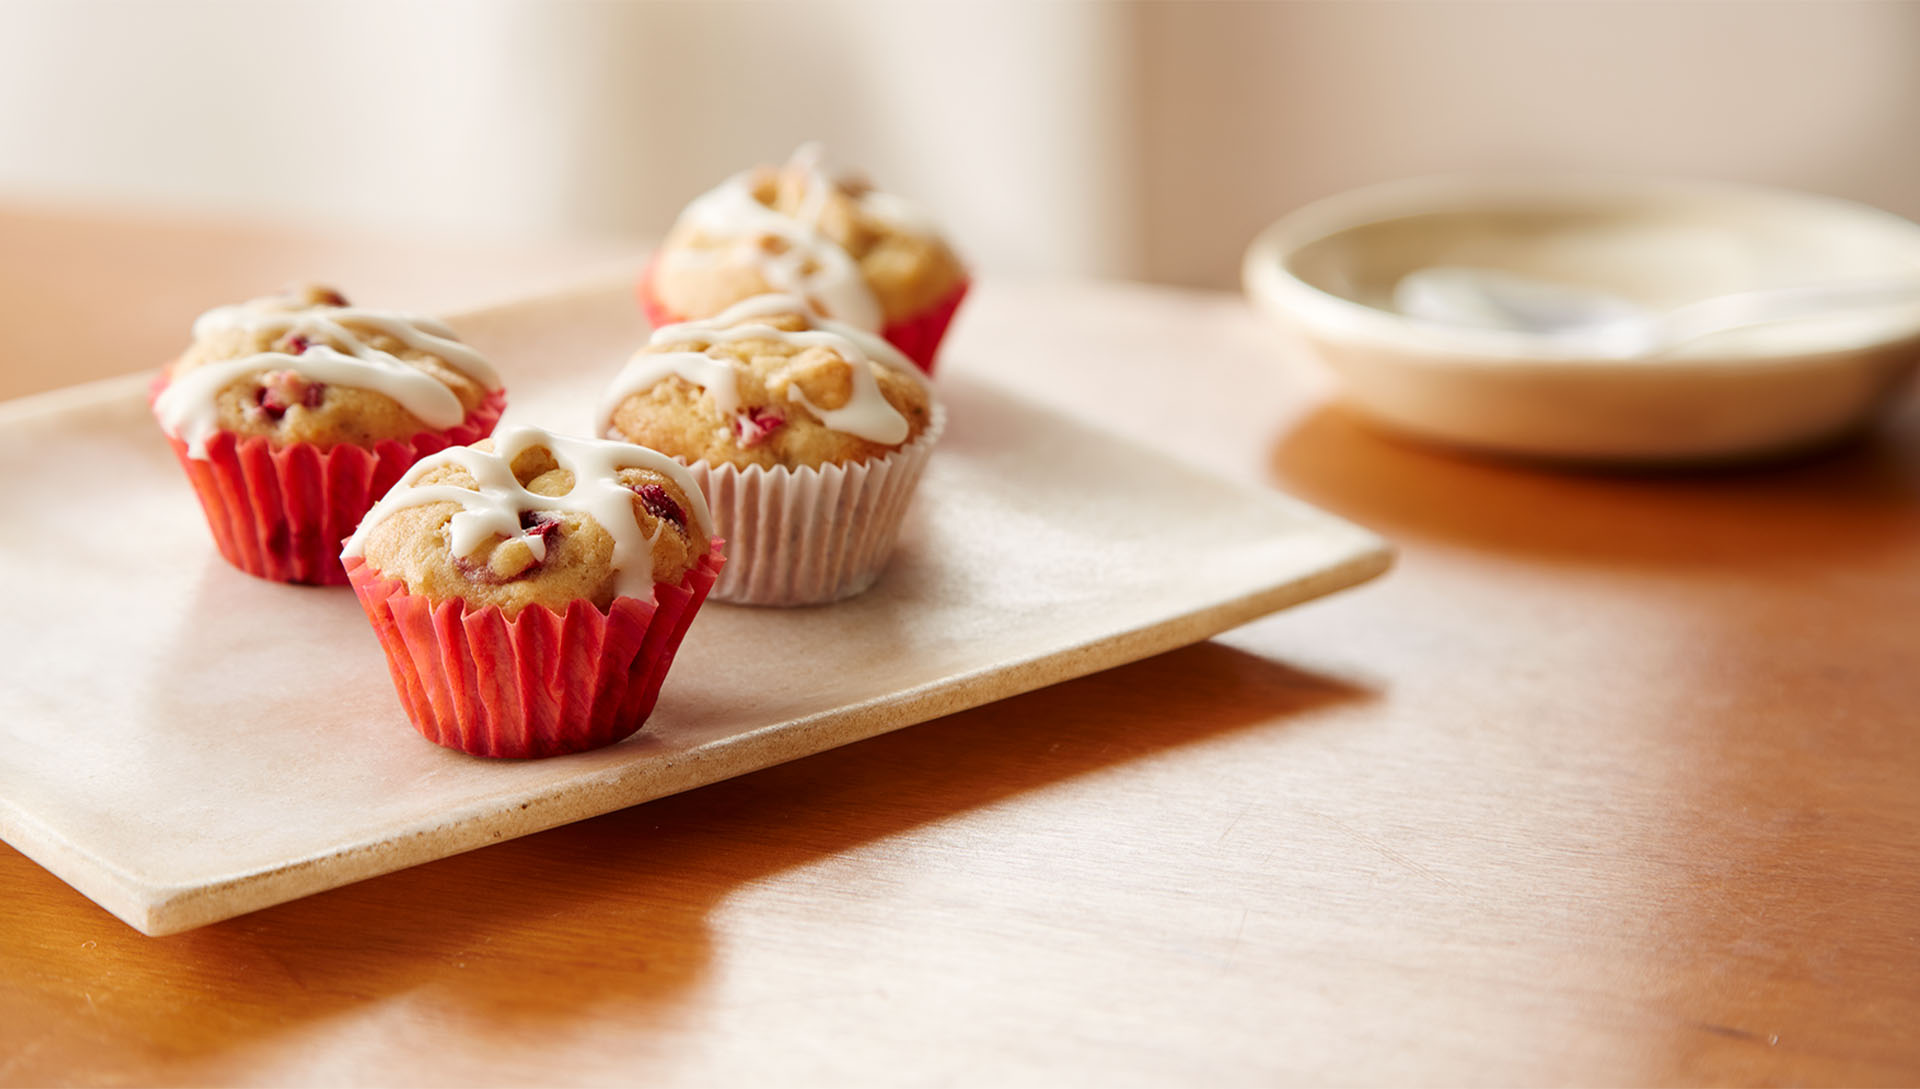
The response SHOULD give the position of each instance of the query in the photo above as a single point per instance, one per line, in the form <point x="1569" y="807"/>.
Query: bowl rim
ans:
<point x="1273" y="288"/>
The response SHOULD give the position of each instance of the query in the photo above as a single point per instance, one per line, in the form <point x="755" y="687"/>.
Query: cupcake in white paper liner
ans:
<point x="804" y="536"/>
<point x="807" y="437"/>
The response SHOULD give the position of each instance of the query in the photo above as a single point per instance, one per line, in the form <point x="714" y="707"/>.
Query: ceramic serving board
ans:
<point x="184" y="743"/>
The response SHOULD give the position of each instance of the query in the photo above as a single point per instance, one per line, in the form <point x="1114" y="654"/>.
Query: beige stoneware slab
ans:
<point x="184" y="743"/>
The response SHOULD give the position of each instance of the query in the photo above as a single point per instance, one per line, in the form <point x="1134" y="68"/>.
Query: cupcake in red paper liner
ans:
<point x="807" y="437"/>
<point x="292" y="414"/>
<point x="856" y="255"/>
<point x="530" y="591"/>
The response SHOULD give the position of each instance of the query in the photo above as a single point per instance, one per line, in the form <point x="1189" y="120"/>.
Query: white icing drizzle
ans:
<point x="867" y="413"/>
<point x="808" y="263"/>
<point x="494" y="507"/>
<point x="189" y="409"/>
<point x="897" y="212"/>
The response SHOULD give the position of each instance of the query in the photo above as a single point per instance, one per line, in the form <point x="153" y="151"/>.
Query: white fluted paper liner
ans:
<point x="810" y="536"/>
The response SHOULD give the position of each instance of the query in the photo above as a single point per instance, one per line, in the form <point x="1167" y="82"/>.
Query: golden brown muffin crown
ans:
<point x="760" y="231"/>
<point x="563" y="521"/>
<point x="772" y="385"/>
<point x="283" y="400"/>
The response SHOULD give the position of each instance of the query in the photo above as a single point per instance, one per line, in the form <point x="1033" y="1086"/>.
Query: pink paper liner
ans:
<point x="541" y="684"/>
<point x="810" y="536"/>
<point x="656" y="312"/>
<point x="281" y="514"/>
<point x="918" y="337"/>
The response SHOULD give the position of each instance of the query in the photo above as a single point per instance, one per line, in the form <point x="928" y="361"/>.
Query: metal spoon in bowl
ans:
<point x="1577" y="320"/>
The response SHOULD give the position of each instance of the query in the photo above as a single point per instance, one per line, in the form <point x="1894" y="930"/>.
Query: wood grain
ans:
<point x="1611" y="782"/>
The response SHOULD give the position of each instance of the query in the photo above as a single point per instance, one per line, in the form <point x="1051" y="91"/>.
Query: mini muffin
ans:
<point x="855" y="255"/>
<point x="291" y="414"/>
<point x="530" y="591"/>
<point x="806" y="436"/>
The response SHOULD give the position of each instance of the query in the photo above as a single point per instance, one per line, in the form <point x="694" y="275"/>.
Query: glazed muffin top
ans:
<point x="306" y="367"/>
<point x="856" y="255"/>
<point x="528" y="517"/>
<point x="766" y="383"/>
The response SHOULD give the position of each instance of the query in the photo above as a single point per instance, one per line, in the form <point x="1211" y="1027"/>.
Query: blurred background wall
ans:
<point x="1136" y="140"/>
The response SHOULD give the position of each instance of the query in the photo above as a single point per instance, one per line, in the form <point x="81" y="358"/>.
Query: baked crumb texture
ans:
<point x="764" y="384"/>
<point x="851" y="253"/>
<point x="393" y="375"/>
<point x="565" y="520"/>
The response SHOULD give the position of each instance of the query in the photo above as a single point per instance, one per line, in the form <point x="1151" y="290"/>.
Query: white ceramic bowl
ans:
<point x="1329" y="270"/>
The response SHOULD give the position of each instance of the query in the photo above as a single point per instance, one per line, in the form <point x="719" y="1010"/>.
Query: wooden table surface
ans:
<point x="1615" y="779"/>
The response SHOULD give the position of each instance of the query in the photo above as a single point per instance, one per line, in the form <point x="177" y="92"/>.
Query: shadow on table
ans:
<point x="1835" y="504"/>
<point x="616" y="909"/>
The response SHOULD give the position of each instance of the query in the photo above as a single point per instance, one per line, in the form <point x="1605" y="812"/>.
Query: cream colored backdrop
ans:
<point x="1145" y="141"/>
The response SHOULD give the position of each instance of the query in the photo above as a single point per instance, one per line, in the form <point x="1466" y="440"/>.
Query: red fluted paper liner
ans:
<point x="809" y="536"/>
<point x="281" y="514"/>
<point x="541" y="684"/>
<point x="918" y="337"/>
